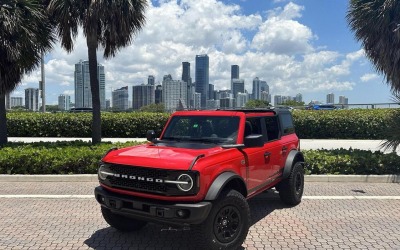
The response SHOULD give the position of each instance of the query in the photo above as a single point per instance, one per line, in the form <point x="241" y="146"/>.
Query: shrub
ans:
<point x="338" y="124"/>
<point x="351" y="161"/>
<point x="134" y="124"/>
<point x="76" y="157"/>
<point x="80" y="157"/>
<point x="341" y="124"/>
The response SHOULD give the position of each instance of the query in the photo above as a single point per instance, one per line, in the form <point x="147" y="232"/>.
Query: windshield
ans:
<point x="206" y="129"/>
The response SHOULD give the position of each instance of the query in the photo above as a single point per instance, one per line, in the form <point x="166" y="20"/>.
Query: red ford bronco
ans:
<point x="200" y="173"/>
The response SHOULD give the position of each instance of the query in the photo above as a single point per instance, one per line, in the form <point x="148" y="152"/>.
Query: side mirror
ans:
<point x="254" y="141"/>
<point x="151" y="135"/>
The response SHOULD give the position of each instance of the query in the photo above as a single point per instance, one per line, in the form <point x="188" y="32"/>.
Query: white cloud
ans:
<point x="281" y="34"/>
<point x="369" y="77"/>
<point x="280" y="50"/>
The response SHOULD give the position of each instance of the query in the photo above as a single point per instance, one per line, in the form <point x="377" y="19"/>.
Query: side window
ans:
<point x="287" y="123"/>
<point x="253" y="126"/>
<point x="272" y="127"/>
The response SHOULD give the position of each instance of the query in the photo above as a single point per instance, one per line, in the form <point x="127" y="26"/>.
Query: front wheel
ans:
<point x="120" y="222"/>
<point x="291" y="189"/>
<point x="227" y="225"/>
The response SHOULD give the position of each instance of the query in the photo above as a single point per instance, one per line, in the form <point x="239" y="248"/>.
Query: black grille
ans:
<point x="139" y="185"/>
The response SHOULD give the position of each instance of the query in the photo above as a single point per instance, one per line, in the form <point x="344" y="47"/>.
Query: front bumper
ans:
<point x="152" y="210"/>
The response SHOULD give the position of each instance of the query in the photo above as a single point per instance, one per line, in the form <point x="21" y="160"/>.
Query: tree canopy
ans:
<point x="257" y="104"/>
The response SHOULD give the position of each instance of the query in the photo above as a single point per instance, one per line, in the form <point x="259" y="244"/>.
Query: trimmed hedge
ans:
<point x="122" y="125"/>
<point x="82" y="158"/>
<point x="338" y="124"/>
<point x="75" y="157"/>
<point x="342" y="124"/>
<point x="351" y="161"/>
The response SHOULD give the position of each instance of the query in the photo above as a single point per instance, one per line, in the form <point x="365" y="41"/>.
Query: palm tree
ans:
<point x="376" y="23"/>
<point x="392" y="131"/>
<point x="25" y="34"/>
<point x="110" y="24"/>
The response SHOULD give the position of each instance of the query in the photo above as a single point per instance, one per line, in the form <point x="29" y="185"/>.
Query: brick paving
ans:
<point x="314" y="224"/>
<point x="311" y="188"/>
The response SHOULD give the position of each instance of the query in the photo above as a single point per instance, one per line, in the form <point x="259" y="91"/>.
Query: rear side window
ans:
<point x="287" y="123"/>
<point x="272" y="127"/>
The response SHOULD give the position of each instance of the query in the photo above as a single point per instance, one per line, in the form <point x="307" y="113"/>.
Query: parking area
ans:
<point x="45" y="215"/>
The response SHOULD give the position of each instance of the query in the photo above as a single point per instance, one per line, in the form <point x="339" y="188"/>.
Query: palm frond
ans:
<point x="25" y="33"/>
<point x="376" y="23"/>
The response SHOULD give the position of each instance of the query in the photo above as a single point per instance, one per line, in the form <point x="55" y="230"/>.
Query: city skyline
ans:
<point x="181" y="93"/>
<point x="296" y="46"/>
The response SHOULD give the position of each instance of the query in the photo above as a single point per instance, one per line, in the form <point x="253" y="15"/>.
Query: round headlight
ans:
<point x="103" y="172"/>
<point x="186" y="182"/>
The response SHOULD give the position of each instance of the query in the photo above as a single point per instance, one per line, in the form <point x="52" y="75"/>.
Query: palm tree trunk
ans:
<point x="3" y="120"/>
<point x="95" y="88"/>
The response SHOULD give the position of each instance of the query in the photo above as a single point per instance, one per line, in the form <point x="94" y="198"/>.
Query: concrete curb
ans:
<point x="308" y="178"/>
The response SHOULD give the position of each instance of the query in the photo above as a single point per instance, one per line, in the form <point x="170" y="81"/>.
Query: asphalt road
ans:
<point x="45" y="215"/>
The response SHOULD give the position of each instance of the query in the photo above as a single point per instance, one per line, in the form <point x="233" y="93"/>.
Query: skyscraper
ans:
<point x="211" y="92"/>
<point x="120" y="99"/>
<point x="259" y="87"/>
<point x="158" y="94"/>
<point x="344" y="101"/>
<point x="234" y="72"/>
<point x="64" y="102"/>
<point x="330" y="98"/>
<point x="186" y="78"/>
<point x="83" y="94"/>
<point x="241" y="99"/>
<point x="142" y="95"/>
<point x="32" y="99"/>
<point x="174" y="94"/>
<point x="237" y="86"/>
<point x="186" y="72"/>
<point x="151" y="80"/>
<point x="278" y="100"/>
<point x="16" y="102"/>
<point x="202" y="77"/>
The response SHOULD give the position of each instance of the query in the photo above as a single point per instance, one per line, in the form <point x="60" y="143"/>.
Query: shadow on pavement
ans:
<point x="155" y="236"/>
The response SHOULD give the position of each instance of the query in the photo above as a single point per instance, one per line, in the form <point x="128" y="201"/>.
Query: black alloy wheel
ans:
<point x="227" y="224"/>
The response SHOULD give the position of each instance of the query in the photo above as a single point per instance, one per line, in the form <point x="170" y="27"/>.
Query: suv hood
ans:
<point x="155" y="156"/>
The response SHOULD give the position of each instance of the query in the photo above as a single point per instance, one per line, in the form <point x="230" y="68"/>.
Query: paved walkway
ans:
<point x="326" y="219"/>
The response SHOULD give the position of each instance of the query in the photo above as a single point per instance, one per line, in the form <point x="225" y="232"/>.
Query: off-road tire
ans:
<point x="291" y="189"/>
<point x="227" y="225"/>
<point x="122" y="223"/>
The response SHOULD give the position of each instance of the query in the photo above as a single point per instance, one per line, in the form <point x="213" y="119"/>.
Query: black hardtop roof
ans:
<point x="258" y="110"/>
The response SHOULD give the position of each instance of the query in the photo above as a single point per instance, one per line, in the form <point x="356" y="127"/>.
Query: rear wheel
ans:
<point x="122" y="223"/>
<point x="291" y="189"/>
<point x="227" y="225"/>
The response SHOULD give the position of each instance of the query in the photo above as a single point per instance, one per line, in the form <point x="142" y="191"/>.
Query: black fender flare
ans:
<point x="292" y="157"/>
<point x="219" y="183"/>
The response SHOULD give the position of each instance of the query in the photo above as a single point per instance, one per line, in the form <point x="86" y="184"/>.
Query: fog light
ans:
<point x="183" y="213"/>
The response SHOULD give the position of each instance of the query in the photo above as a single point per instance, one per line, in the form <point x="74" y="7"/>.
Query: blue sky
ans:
<point x="299" y="46"/>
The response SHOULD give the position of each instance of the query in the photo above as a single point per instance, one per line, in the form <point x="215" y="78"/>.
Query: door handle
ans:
<point x="284" y="149"/>
<point x="267" y="154"/>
